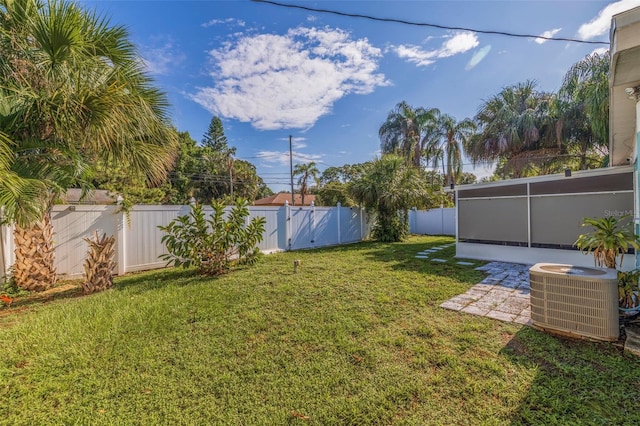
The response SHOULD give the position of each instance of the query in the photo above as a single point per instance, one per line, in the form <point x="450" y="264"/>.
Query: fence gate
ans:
<point x="302" y="228"/>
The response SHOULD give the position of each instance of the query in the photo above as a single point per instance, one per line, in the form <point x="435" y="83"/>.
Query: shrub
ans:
<point x="212" y="245"/>
<point x="611" y="237"/>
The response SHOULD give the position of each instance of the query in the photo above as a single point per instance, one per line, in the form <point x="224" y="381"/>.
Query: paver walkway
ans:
<point x="503" y="294"/>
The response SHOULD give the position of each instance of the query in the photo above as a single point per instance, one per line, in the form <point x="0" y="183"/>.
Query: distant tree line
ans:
<point x="205" y="172"/>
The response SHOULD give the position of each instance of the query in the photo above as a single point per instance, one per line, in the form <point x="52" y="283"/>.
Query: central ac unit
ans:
<point x="573" y="300"/>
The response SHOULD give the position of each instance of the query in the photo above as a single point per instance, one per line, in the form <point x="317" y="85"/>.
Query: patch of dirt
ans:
<point x="21" y="304"/>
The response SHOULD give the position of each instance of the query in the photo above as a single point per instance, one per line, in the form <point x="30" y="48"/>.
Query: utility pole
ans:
<point x="291" y="170"/>
<point x="230" y="166"/>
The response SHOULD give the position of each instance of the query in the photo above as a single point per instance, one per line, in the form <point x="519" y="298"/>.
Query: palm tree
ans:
<point x="446" y="149"/>
<point x="406" y="131"/>
<point x="511" y="125"/>
<point x="388" y="188"/>
<point x="79" y="96"/>
<point x="582" y="107"/>
<point x="305" y="171"/>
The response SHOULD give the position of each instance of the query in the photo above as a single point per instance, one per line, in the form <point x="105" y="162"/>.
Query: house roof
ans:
<point x="280" y="198"/>
<point x="97" y="196"/>
<point x="624" y="74"/>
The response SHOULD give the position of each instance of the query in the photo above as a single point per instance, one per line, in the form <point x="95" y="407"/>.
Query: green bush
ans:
<point x="213" y="245"/>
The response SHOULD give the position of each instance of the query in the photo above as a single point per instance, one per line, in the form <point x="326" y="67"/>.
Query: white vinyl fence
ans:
<point x="440" y="221"/>
<point x="138" y="239"/>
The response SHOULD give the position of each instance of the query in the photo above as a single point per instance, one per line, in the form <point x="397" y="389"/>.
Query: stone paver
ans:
<point x="439" y="260"/>
<point x="502" y="295"/>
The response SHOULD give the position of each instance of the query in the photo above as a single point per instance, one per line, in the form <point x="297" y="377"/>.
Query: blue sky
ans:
<point x="329" y="81"/>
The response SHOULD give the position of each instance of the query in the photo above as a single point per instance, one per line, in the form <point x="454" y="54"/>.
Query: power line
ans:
<point x="424" y="24"/>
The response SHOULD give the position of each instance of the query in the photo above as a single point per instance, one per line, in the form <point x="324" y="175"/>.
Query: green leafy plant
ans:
<point x="629" y="289"/>
<point x="214" y="244"/>
<point x="610" y="238"/>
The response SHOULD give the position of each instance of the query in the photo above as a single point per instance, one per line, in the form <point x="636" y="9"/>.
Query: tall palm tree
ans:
<point x="406" y="130"/>
<point x="446" y="149"/>
<point x="582" y="107"/>
<point x="511" y="125"/>
<point x="79" y="95"/>
<point x="305" y="172"/>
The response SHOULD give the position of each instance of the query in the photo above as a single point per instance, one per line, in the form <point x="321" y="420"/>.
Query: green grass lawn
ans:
<point x="355" y="337"/>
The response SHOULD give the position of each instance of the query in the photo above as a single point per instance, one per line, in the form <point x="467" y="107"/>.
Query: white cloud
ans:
<point x="282" y="157"/>
<point x="416" y="55"/>
<point x="162" y="59"/>
<point x="458" y="43"/>
<point x="289" y="81"/>
<point x="602" y="23"/>
<point x="297" y="142"/>
<point x="213" y="22"/>
<point x="549" y="33"/>
<point x="600" y="51"/>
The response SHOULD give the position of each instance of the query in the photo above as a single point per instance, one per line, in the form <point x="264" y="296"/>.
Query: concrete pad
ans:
<point x="632" y="344"/>
<point x="502" y="295"/>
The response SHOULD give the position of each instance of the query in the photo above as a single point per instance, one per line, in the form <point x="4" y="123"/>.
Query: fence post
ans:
<point x="312" y="223"/>
<point x="361" y="214"/>
<point x="339" y="209"/>
<point x="121" y="230"/>
<point x="287" y="228"/>
<point x="413" y="220"/>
